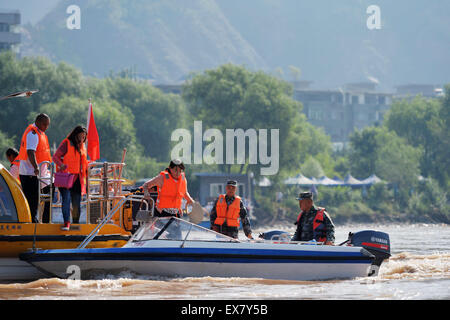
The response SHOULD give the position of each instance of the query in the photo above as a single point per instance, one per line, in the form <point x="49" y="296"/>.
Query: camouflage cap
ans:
<point x="305" y="195"/>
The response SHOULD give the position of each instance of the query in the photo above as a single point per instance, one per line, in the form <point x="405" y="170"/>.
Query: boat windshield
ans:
<point x="170" y="228"/>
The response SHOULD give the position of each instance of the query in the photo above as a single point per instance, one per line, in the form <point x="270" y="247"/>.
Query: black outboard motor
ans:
<point x="376" y="242"/>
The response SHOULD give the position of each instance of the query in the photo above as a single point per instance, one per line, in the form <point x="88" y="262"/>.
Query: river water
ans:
<point x="418" y="269"/>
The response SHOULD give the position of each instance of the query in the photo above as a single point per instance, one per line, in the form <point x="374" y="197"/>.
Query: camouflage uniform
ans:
<point x="226" y="230"/>
<point x="304" y="230"/>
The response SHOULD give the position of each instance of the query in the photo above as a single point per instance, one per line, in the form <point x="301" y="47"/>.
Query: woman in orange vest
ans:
<point x="227" y="211"/>
<point x="172" y="188"/>
<point x="71" y="157"/>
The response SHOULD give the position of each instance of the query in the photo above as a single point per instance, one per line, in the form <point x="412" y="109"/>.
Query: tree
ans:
<point x="380" y="151"/>
<point x="5" y="143"/>
<point x="232" y="97"/>
<point x="425" y="123"/>
<point x="53" y="81"/>
<point x="156" y="115"/>
<point x="364" y="147"/>
<point x="114" y="124"/>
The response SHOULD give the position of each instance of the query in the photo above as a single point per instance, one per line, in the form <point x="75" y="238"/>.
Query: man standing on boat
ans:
<point x="226" y="212"/>
<point x="313" y="223"/>
<point x="35" y="149"/>
<point x="172" y="188"/>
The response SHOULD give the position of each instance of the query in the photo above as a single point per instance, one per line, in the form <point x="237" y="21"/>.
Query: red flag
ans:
<point x="93" y="143"/>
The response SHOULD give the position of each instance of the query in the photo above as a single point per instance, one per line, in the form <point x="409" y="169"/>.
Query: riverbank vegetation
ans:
<point x="410" y="150"/>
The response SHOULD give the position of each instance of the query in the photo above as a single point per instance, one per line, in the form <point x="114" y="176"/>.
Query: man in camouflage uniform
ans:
<point x="313" y="222"/>
<point x="222" y="226"/>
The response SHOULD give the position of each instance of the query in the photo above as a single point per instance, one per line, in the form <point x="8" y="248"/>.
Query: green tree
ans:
<point x="231" y="97"/>
<point x="114" y="124"/>
<point x="5" y="143"/>
<point x="377" y="150"/>
<point x="421" y="124"/>
<point x="53" y="81"/>
<point x="156" y="115"/>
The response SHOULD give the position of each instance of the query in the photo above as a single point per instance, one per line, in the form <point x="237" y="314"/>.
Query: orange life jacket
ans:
<point x="318" y="225"/>
<point x="15" y="162"/>
<point x="228" y="214"/>
<point x="43" y="147"/>
<point x="172" y="191"/>
<point x="76" y="162"/>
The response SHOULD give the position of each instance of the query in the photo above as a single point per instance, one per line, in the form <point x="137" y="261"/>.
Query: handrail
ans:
<point x="108" y="217"/>
<point x="40" y="178"/>
<point x="105" y="220"/>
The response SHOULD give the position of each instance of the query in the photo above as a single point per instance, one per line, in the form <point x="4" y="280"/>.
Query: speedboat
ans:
<point x="172" y="247"/>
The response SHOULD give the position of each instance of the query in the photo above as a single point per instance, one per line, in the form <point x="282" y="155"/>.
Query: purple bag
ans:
<point x="64" y="179"/>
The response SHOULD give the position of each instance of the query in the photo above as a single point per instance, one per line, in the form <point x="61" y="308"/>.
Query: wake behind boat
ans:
<point x="174" y="247"/>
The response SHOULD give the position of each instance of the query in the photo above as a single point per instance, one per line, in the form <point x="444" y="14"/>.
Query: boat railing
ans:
<point x="103" y="191"/>
<point x="108" y="217"/>
<point x="47" y="180"/>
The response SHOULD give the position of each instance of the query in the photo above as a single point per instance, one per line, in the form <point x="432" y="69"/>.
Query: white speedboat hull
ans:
<point x="171" y="247"/>
<point x="202" y="259"/>
<point x="14" y="269"/>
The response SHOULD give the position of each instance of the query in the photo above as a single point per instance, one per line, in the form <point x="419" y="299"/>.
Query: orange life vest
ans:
<point x="318" y="225"/>
<point x="76" y="162"/>
<point x="228" y="214"/>
<point x="172" y="191"/>
<point x="43" y="147"/>
<point x="15" y="162"/>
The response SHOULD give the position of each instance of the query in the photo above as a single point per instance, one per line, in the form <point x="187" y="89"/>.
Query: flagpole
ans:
<point x="88" y="117"/>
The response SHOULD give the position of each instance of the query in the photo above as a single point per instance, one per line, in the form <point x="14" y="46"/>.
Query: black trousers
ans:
<point x="30" y="186"/>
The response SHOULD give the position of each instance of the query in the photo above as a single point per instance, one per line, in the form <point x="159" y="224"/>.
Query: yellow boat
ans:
<point x="18" y="234"/>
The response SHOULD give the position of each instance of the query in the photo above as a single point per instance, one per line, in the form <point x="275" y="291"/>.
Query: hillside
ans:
<point x="162" y="40"/>
<point x="328" y="40"/>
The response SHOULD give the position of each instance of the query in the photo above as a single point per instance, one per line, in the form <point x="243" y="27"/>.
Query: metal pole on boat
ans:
<point x="105" y="188"/>
<point x="105" y="220"/>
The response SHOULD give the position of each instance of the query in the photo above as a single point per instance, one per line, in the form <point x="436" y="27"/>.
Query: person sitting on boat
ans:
<point x="35" y="149"/>
<point x="11" y="155"/>
<point x="172" y="188"/>
<point x="226" y="212"/>
<point x="313" y="223"/>
<point x="71" y="157"/>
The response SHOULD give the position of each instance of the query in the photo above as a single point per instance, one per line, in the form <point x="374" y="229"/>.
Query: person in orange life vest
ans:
<point x="71" y="157"/>
<point x="35" y="149"/>
<point x="313" y="223"/>
<point x="226" y="212"/>
<point x="172" y="188"/>
<point x="11" y="155"/>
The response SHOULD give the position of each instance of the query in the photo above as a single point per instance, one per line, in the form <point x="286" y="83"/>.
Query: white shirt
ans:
<point x="26" y="168"/>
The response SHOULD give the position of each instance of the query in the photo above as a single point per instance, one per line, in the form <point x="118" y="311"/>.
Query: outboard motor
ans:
<point x="276" y="235"/>
<point x="376" y="242"/>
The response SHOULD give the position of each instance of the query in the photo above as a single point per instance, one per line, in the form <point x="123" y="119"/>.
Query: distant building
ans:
<point x="9" y="40"/>
<point x="340" y="112"/>
<point x="170" y="88"/>
<point x="409" y="91"/>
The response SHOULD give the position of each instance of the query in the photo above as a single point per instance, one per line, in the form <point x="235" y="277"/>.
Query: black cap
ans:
<point x="305" y="195"/>
<point x="232" y="183"/>
<point x="175" y="163"/>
